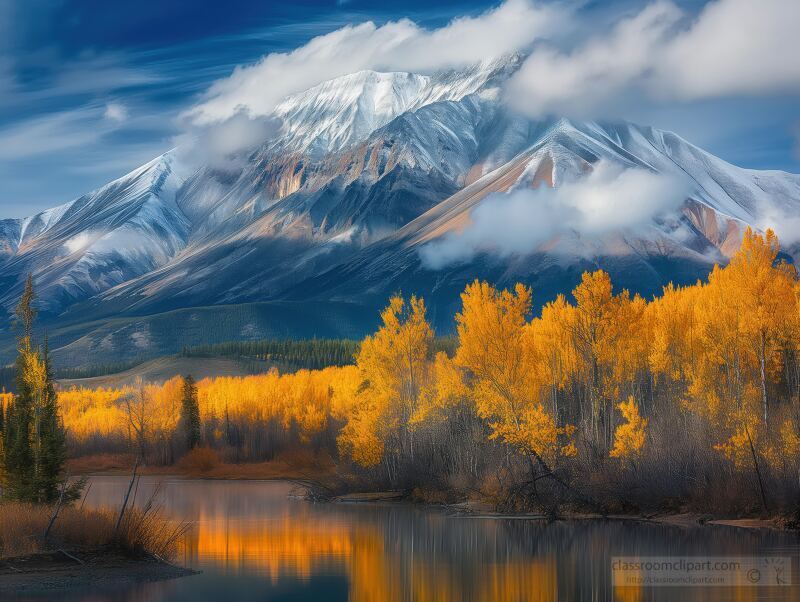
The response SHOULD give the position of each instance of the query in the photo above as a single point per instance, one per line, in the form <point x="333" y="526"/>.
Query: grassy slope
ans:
<point x="164" y="368"/>
<point x="127" y="338"/>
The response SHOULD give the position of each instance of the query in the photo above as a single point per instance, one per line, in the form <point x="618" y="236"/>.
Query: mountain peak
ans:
<point x="338" y="112"/>
<point x="366" y="170"/>
<point x="345" y="110"/>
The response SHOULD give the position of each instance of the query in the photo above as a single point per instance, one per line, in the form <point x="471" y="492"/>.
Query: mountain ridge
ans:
<point x="338" y="207"/>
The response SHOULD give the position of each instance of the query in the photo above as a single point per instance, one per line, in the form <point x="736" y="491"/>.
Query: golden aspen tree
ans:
<point x="394" y="365"/>
<point x="722" y="383"/>
<point x="741" y="315"/>
<point x="632" y="334"/>
<point x="550" y="339"/>
<point x="673" y="343"/>
<point x="345" y="384"/>
<point x="593" y="332"/>
<point x="504" y="384"/>
<point x="629" y="437"/>
<point x="446" y="389"/>
<point x="791" y="354"/>
<point x="766" y="295"/>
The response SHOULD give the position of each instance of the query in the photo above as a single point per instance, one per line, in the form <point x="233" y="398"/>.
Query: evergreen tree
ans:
<point x="2" y="441"/>
<point x="18" y="459"/>
<point x="34" y="440"/>
<point x="190" y="412"/>
<point x="52" y="439"/>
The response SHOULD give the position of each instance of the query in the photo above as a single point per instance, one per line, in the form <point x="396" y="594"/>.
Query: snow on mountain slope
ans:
<point x="335" y="114"/>
<point x="332" y="154"/>
<point x="287" y="249"/>
<point x="108" y="236"/>
<point x="371" y="168"/>
<point x="721" y="200"/>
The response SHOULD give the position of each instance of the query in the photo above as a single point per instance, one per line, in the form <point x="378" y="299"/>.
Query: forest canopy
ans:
<point x="693" y="391"/>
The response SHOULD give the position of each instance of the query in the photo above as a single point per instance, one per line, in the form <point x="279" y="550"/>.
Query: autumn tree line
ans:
<point x="690" y="400"/>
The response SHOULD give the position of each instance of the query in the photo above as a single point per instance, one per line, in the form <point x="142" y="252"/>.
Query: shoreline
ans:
<point x="471" y="508"/>
<point x="106" y="569"/>
<point x="477" y="510"/>
<point x="100" y="569"/>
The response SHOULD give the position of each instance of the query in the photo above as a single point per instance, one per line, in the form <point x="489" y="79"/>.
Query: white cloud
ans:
<point x="49" y="134"/>
<point x="593" y="76"/>
<point x="782" y="218"/>
<point x="609" y="199"/>
<point x="398" y="45"/>
<point x="78" y="242"/>
<point x="221" y="144"/>
<point x="116" y="111"/>
<point x="650" y="57"/>
<point x="733" y="47"/>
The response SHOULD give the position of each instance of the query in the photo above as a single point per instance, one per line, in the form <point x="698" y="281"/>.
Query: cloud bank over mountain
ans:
<point x="733" y="47"/>
<point x="608" y="200"/>
<point x="395" y="46"/>
<point x="90" y="97"/>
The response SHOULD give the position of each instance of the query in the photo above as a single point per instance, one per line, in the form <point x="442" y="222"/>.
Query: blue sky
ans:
<point x="91" y="89"/>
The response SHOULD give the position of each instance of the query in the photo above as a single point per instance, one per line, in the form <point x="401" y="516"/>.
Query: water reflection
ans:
<point x="254" y="542"/>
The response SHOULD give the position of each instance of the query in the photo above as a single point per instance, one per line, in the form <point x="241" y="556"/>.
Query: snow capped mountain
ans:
<point x="335" y="114"/>
<point x="332" y="115"/>
<point x="106" y="237"/>
<point x="369" y="173"/>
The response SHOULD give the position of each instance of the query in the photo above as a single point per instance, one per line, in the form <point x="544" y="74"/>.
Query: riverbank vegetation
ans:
<point x="37" y="511"/>
<point x="688" y="401"/>
<point x="141" y="531"/>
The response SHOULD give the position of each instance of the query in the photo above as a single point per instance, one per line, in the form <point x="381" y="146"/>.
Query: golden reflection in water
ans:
<point x="534" y="580"/>
<point x="628" y="593"/>
<point x="252" y="540"/>
<point x="282" y="546"/>
<point x="300" y="545"/>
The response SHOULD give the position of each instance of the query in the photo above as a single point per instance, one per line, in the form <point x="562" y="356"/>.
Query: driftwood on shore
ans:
<point x="377" y="496"/>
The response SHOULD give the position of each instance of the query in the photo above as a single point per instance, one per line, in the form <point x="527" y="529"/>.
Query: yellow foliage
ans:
<point x="723" y="351"/>
<point x="93" y="412"/>
<point x="789" y="440"/>
<point x="394" y="368"/>
<point x="447" y="388"/>
<point x="504" y="380"/>
<point x="302" y="398"/>
<point x="629" y="437"/>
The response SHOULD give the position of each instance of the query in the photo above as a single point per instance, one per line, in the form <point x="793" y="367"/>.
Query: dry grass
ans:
<point x="292" y="464"/>
<point x="207" y="463"/>
<point x="144" y="530"/>
<point x="100" y="463"/>
<point x="22" y="528"/>
<point x="200" y="460"/>
<point x="148" y="530"/>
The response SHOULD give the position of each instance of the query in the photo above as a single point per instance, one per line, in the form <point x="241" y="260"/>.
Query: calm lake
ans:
<point x="254" y="541"/>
